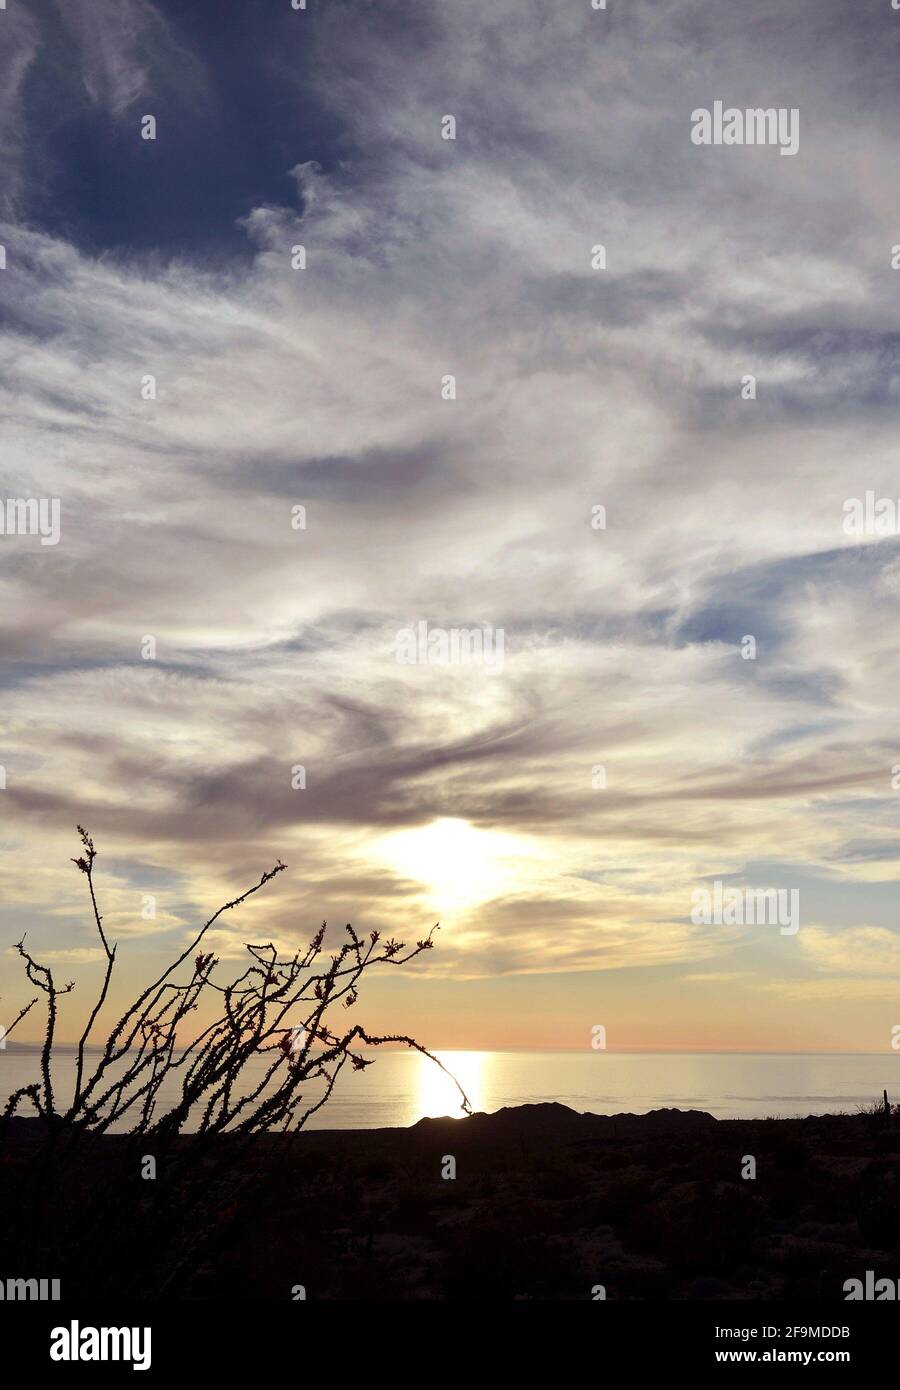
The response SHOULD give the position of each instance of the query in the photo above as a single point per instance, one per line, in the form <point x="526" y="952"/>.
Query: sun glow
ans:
<point x="458" y="864"/>
<point x="438" y="1093"/>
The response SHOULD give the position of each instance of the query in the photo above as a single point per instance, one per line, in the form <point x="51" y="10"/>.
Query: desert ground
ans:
<point x="545" y="1203"/>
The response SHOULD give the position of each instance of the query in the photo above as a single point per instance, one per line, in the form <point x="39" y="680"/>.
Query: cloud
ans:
<point x="16" y="58"/>
<point x="854" y="951"/>
<point x="120" y="45"/>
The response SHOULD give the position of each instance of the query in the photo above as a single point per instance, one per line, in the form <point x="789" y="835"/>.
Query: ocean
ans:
<point x="402" y="1087"/>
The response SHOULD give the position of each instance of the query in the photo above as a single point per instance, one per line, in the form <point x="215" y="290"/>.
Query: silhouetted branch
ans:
<point x="276" y="1010"/>
<point x="20" y="1015"/>
<point x="86" y="865"/>
<point x="42" y="976"/>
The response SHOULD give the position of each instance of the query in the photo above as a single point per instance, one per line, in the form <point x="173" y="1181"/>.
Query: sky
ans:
<point x="466" y="793"/>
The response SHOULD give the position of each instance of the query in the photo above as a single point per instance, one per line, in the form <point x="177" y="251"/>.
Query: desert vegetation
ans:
<point x="280" y="1008"/>
<point x="189" y="1101"/>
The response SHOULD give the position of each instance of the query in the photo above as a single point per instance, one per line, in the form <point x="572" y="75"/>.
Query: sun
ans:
<point x="458" y="864"/>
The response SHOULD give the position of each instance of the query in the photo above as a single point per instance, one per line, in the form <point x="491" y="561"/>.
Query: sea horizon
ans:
<point x="404" y="1086"/>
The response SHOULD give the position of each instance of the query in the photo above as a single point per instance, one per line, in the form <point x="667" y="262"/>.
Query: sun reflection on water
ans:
<point x="436" y="1092"/>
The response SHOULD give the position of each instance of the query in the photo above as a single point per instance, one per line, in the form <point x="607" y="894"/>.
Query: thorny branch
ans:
<point x="277" y="1010"/>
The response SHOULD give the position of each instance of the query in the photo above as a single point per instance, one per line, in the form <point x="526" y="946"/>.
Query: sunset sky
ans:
<point x="463" y="793"/>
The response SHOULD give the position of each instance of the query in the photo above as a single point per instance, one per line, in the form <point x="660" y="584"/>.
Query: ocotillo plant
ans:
<point x="280" y="1008"/>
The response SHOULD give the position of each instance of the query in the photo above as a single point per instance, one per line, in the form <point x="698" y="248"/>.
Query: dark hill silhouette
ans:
<point x="532" y="1117"/>
<point x="546" y="1203"/>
